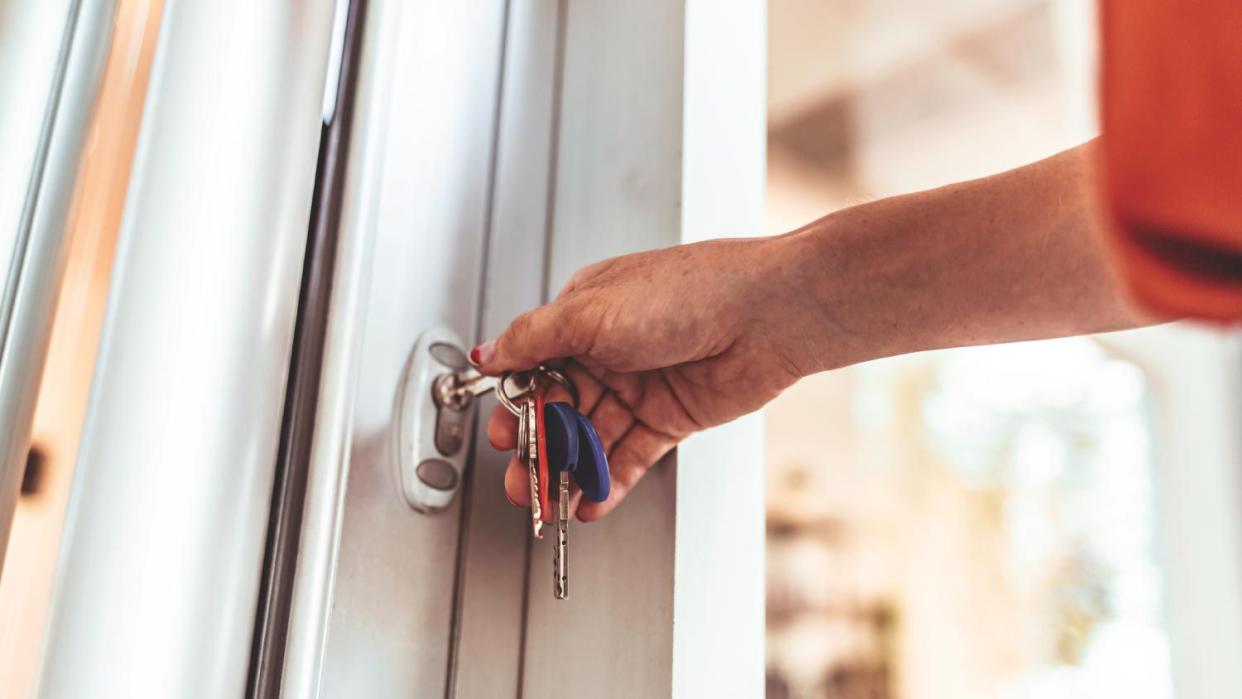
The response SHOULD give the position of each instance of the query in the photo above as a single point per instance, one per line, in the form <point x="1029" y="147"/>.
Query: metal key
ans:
<point x="546" y="490"/>
<point x="553" y="443"/>
<point x="560" y="558"/>
<point x="560" y="426"/>
<point x="458" y="389"/>
<point x="521" y="435"/>
<point x="532" y="464"/>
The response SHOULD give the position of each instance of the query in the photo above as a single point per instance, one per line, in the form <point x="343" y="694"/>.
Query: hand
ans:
<point x="660" y="344"/>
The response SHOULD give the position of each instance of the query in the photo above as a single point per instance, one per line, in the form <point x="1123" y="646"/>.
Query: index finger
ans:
<point x="552" y="331"/>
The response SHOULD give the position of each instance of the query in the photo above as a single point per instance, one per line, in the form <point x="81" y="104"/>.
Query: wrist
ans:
<point x="829" y="280"/>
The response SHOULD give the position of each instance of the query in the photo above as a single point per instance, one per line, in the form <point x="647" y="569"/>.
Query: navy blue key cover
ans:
<point x="560" y="425"/>
<point x="592" y="474"/>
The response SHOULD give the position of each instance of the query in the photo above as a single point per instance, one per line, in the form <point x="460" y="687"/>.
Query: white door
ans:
<point x="318" y="185"/>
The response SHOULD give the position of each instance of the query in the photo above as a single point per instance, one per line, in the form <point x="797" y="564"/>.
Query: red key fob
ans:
<point x="541" y="446"/>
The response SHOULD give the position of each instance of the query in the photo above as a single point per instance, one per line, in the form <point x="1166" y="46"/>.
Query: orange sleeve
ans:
<point x="1171" y="109"/>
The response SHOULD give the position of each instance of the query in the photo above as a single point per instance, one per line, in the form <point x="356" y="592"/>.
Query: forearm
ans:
<point x="1016" y="256"/>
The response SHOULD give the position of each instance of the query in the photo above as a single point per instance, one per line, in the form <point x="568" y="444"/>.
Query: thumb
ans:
<point x="551" y="331"/>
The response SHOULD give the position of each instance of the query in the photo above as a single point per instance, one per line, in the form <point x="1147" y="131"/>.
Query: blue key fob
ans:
<point x="592" y="474"/>
<point x="560" y="425"/>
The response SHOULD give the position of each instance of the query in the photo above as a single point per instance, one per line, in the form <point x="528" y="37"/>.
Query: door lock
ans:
<point x="435" y="419"/>
<point x="434" y="422"/>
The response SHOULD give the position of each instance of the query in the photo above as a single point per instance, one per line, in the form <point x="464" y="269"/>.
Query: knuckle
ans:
<point x="576" y="282"/>
<point x="522" y="326"/>
<point x="577" y="327"/>
<point x="519" y="335"/>
<point x="586" y="276"/>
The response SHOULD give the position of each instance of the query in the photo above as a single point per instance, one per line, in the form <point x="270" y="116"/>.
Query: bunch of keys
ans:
<point x="554" y="438"/>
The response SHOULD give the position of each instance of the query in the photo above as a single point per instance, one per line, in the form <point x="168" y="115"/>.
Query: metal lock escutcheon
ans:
<point x="435" y="421"/>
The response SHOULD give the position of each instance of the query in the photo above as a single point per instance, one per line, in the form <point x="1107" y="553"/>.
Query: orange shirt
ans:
<point x="1171" y="109"/>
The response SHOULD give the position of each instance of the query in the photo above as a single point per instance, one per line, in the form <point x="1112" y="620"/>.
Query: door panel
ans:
<point x="393" y="599"/>
<point x="661" y="141"/>
<point x="493" y="572"/>
<point x="496" y="148"/>
<point x="618" y="190"/>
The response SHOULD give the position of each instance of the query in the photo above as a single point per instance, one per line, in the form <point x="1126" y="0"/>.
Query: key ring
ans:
<point x="503" y="396"/>
<point x="562" y="380"/>
<point x="510" y="402"/>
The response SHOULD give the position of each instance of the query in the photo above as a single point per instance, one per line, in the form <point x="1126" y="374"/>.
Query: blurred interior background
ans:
<point x="971" y="523"/>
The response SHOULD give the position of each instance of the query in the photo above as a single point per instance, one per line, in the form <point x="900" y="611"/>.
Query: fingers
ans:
<point x="628" y="461"/>
<point x="612" y="419"/>
<point x="502" y="425"/>
<point x="550" y="331"/>
<point x="502" y="429"/>
<point x="517" y="483"/>
<point x="589" y="389"/>
<point x="517" y="490"/>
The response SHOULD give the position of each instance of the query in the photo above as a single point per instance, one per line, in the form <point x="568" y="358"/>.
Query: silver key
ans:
<point x="460" y="389"/>
<point x="560" y="558"/>
<point x="521" y="435"/>
<point x="532" y="464"/>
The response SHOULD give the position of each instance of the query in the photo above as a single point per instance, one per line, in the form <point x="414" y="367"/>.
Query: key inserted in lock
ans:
<point x="435" y="420"/>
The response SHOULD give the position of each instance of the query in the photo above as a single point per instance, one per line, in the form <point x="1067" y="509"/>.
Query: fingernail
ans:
<point x="482" y="354"/>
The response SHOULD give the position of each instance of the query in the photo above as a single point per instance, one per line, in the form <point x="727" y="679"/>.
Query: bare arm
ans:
<point x="668" y="342"/>
<point x="1015" y="256"/>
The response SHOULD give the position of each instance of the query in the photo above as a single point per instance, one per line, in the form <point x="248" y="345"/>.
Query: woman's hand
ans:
<point x="660" y="344"/>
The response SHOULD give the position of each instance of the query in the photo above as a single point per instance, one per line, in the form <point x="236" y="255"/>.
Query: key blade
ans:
<point x="527" y="453"/>
<point x="532" y="464"/>
<point x="476" y="384"/>
<point x="536" y="512"/>
<point x="560" y="559"/>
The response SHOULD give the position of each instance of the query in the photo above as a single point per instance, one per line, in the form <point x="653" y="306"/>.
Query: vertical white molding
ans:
<point x="492" y="597"/>
<point x="618" y="180"/>
<point x="328" y="470"/>
<point x="393" y="595"/>
<point x="661" y="142"/>
<point x="718" y="609"/>
<point x="1196" y="380"/>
